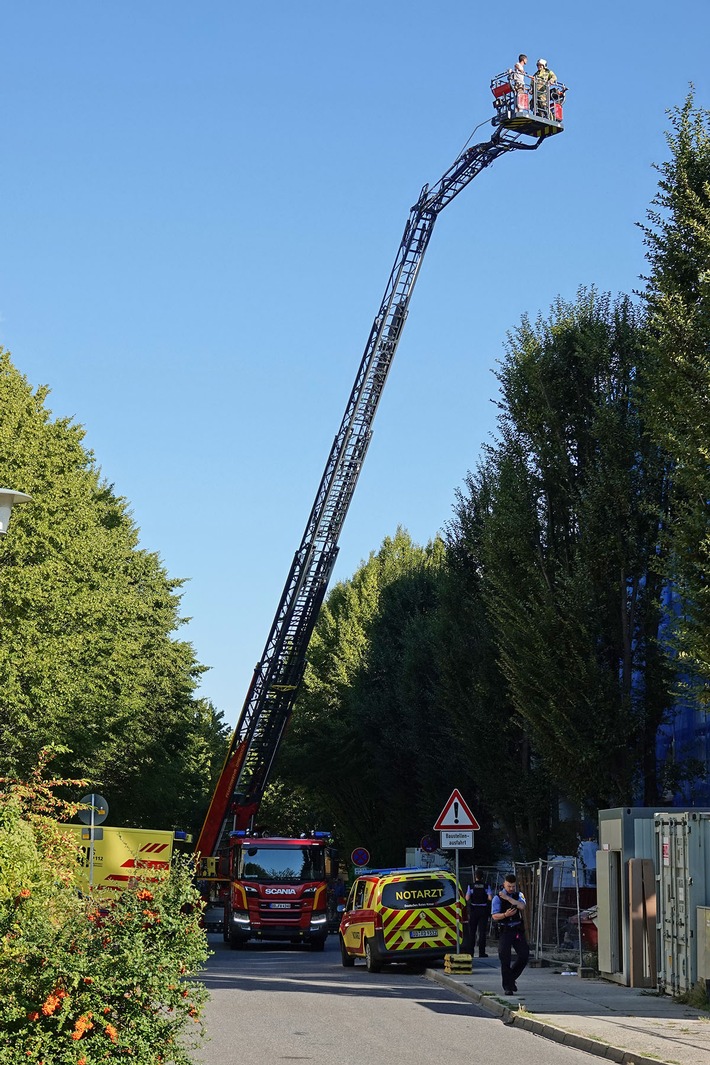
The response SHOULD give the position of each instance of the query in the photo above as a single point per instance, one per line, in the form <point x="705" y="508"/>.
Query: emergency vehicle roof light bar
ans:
<point x="405" y="869"/>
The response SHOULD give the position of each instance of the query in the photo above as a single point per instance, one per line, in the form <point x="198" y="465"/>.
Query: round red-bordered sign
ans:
<point x="360" y="856"/>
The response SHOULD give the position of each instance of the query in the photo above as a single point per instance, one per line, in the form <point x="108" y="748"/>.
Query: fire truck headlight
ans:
<point x="240" y="917"/>
<point x="318" y="920"/>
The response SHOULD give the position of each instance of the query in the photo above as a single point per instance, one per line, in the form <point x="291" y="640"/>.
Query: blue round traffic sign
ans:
<point x="360" y="856"/>
<point x="428" y="844"/>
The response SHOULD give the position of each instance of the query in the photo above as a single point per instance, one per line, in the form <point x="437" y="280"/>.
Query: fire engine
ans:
<point x="279" y="889"/>
<point x="521" y="122"/>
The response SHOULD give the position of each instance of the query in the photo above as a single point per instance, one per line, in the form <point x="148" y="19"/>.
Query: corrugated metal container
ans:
<point x="683" y="869"/>
<point x="625" y="833"/>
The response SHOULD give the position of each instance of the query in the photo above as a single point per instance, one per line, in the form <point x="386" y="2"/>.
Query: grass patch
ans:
<point x="697" y="997"/>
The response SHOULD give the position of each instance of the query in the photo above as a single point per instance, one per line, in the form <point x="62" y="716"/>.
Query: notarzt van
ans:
<point x="400" y="915"/>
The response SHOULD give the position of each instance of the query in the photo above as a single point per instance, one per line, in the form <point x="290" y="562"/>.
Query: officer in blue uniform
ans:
<point x="479" y="899"/>
<point x="507" y="910"/>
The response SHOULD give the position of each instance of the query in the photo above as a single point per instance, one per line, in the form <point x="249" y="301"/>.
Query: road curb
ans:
<point x="530" y="1023"/>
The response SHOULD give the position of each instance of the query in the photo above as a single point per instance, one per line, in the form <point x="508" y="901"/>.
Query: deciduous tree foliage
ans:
<point x="367" y="738"/>
<point x="677" y="397"/>
<point x="536" y="653"/>
<point x="568" y="544"/>
<point x="524" y="663"/>
<point x="88" y="653"/>
<point x="512" y="792"/>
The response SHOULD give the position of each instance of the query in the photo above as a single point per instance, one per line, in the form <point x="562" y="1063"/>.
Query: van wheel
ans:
<point x="346" y="958"/>
<point x="372" y="962"/>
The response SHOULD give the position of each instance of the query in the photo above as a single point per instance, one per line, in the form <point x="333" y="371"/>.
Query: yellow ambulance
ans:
<point x="119" y="855"/>
<point x="400" y="915"/>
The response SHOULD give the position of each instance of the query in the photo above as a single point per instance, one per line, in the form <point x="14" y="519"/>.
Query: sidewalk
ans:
<point x="621" y="1024"/>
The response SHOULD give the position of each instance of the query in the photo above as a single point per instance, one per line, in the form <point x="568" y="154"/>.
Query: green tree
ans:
<point x="88" y="654"/>
<point x="576" y="492"/>
<point x="676" y="399"/>
<point x="364" y="741"/>
<point x="511" y="791"/>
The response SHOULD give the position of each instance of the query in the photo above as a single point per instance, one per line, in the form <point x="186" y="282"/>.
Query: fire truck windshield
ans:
<point x="293" y="864"/>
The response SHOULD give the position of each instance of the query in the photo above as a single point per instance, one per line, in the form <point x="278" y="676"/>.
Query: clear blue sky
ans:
<point x="199" y="208"/>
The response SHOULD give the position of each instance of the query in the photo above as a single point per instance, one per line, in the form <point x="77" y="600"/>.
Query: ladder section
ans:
<point x="279" y="672"/>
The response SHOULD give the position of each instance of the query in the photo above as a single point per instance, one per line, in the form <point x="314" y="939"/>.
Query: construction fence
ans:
<point x="559" y="919"/>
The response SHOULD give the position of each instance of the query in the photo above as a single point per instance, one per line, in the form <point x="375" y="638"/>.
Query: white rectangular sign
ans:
<point x="456" y="840"/>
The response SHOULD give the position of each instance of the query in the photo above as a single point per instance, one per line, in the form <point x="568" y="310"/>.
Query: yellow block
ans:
<point x="458" y="963"/>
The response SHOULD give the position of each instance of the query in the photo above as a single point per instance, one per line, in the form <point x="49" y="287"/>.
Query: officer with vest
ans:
<point x="479" y="898"/>
<point x="508" y="911"/>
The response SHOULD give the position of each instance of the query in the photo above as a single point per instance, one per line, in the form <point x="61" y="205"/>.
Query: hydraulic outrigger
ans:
<point x="278" y="675"/>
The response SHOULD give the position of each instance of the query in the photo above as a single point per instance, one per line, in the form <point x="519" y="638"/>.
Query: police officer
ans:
<point x="478" y="897"/>
<point x="507" y="910"/>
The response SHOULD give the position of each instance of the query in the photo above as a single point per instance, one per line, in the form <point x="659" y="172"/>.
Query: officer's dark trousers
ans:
<point x="512" y="939"/>
<point x="478" y="923"/>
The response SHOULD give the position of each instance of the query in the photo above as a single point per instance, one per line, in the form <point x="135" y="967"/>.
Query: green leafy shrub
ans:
<point x="90" y="979"/>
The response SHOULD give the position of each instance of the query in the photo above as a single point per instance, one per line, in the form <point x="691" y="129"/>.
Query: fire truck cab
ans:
<point x="279" y="889"/>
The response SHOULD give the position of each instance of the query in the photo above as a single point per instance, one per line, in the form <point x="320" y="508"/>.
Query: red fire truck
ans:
<point x="276" y="888"/>
<point x="279" y="889"/>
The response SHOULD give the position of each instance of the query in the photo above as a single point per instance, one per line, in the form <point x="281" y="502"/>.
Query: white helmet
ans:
<point x="542" y="62"/>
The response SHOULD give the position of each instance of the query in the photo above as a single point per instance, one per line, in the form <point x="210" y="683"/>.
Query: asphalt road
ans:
<point x="274" y="1003"/>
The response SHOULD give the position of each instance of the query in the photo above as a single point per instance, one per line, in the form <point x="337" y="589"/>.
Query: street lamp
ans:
<point x="8" y="499"/>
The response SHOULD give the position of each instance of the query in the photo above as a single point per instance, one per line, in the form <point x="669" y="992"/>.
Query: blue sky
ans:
<point x="199" y="208"/>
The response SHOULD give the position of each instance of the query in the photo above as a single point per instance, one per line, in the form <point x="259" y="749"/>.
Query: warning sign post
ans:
<point x="451" y="841"/>
<point x="456" y="815"/>
<point x="456" y="825"/>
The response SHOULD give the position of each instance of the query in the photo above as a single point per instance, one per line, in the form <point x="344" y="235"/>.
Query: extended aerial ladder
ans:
<point x="278" y="674"/>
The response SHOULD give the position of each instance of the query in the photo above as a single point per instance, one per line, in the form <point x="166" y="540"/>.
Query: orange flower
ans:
<point x="53" y="1001"/>
<point x="83" y="1024"/>
<point x="111" y="1033"/>
<point x="145" y="895"/>
<point x="34" y="1016"/>
<point x="24" y="893"/>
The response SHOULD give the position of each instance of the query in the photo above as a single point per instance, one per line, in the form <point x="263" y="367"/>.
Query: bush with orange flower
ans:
<point x="89" y="980"/>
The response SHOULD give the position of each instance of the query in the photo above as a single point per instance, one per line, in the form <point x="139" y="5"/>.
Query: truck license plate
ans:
<point x="280" y="905"/>
<point x="423" y="933"/>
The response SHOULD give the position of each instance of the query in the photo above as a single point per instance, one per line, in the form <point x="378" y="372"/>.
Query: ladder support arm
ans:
<point x="279" y="672"/>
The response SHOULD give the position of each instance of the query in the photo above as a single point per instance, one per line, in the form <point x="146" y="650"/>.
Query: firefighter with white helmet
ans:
<point x="542" y="79"/>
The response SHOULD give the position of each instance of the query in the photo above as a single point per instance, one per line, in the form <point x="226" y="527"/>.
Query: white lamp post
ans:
<point x="8" y="499"/>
